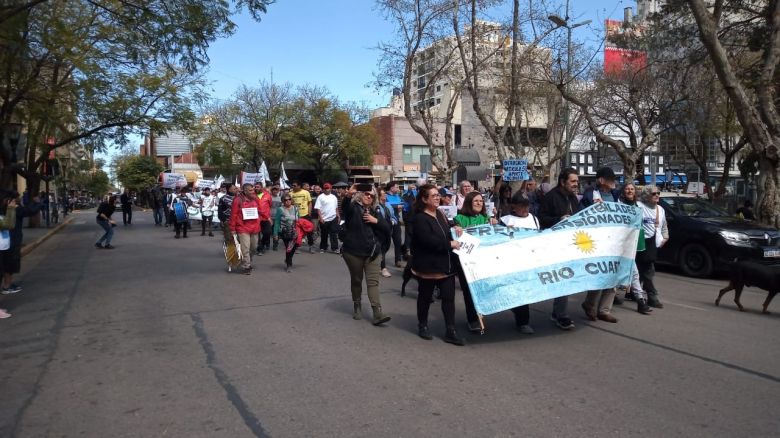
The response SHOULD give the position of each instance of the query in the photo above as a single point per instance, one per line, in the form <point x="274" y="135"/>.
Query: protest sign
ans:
<point x="173" y="180"/>
<point x="593" y="249"/>
<point x="449" y="210"/>
<point x="516" y="170"/>
<point x="252" y="178"/>
<point x="204" y="184"/>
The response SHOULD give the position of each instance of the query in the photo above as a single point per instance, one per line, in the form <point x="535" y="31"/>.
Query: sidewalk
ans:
<point x="32" y="237"/>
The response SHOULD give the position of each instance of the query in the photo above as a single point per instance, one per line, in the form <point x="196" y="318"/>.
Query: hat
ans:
<point x="341" y="184"/>
<point x="326" y="186"/>
<point x="445" y="192"/>
<point x="606" y="173"/>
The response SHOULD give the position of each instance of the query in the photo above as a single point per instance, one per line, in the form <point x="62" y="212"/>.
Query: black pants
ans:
<point x="645" y="264"/>
<point x="329" y="230"/>
<point x="181" y="226"/>
<point x="471" y="312"/>
<point x="127" y="214"/>
<point x="265" y="240"/>
<point x="397" y="244"/>
<point x="290" y="246"/>
<point x="522" y="315"/>
<point x="425" y="293"/>
<point x="206" y="222"/>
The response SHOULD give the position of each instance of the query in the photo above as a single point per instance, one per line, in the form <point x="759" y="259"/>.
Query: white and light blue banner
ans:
<point x="508" y="267"/>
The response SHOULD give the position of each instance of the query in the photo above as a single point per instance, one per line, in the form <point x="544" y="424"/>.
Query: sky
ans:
<point x="331" y="44"/>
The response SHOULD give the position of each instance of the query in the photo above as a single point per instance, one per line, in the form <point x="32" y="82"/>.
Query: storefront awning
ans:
<point x="472" y="173"/>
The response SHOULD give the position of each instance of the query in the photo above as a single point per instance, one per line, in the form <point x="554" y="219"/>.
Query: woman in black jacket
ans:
<point x="432" y="262"/>
<point x="364" y="232"/>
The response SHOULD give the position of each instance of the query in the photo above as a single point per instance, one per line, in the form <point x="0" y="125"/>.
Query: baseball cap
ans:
<point x="326" y="186"/>
<point x="445" y="192"/>
<point x="606" y="173"/>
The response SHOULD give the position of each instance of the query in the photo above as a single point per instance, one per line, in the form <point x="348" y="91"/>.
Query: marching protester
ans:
<point x="472" y="213"/>
<point x="285" y="228"/>
<point x="158" y="201"/>
<point x="245" y="222"/>
<point x="558" y="204"/>
<point x="326" y="207"/>
<point x="387" y="212"/>
<point x="409" y="197"/>
<point x="533" y="193"/>
<point x="598" y="303"/>
<point x="127" y="207"/>
<point x="432" y="263"/>
<point x="178" y="208"/>
<point x="104" y="212"/>
<point x="224" y="208"/>
<point x="656" y="235"/>
<point x="265" y="202"/>
<point x="364" y="232"/>
<point x="7" y="224"/>
<point x="521" y="217"/>
<point x="464" y="188"/>
<point x="394" y="201"/>
<point x="208" y="204"/>
<point x="635" y="291"/>
<point x="302" y="200"/>
<point x="502" y="198"/>
<point x="276" y="202"/>
<point x="13" y="264"/>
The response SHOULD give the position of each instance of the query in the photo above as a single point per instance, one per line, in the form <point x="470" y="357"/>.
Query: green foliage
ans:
<point x="98" y="71"/>
<point x="138" y="172"/>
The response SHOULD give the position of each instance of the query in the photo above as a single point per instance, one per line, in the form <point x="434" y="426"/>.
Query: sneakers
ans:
<point x="322" y="251"/>
<point x="99" y="245"/>
<point x="607" y="317"/>
<point x="247" y="271"/>
<point x="311" y="249"/>
<point x="474" y="327"/>
<point x="386" y="273"/>
<point x="4" y="314"/>
<point x="630" y="296"/>
<point x="423" y="332"/>
<point x="12" y="289"/>
<point x="526" y="329"/>
<point x="563" y="323"/>
<point x="108" y="246"/>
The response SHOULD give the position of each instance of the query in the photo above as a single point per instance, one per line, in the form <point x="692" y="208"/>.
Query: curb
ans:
<point x="28" y="248"/>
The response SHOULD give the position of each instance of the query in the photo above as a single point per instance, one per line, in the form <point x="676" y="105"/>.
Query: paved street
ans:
<point x="156" y="339"/>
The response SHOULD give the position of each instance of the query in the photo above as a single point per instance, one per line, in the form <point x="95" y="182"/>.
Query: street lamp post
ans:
<point x="595" y="153"/>
<point x="564" y="22"/>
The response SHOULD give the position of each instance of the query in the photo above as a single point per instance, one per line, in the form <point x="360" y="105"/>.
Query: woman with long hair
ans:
<point x="432" y="262"/>
<point x="472" y="214"/>
<point x="365" y="231"/>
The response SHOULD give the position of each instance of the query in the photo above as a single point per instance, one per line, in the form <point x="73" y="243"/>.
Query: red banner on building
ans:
<point x="623" y="61"/>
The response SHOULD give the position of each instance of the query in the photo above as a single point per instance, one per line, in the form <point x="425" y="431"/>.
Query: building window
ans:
<point x="412" y="153"/>
<point x="438" y="88"/>
<point x="458" y="135"/>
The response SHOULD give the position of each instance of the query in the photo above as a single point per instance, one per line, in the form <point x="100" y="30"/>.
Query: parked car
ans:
<point x="704" y="238"/>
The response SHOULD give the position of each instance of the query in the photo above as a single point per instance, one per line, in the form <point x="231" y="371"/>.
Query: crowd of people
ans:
<point x="363" y="222"/>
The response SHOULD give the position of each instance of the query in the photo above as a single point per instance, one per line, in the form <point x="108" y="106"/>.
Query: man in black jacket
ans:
<point x="558" y="204"/>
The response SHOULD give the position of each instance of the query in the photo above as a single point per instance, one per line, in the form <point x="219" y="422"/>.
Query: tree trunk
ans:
<point x="768" y="185"/>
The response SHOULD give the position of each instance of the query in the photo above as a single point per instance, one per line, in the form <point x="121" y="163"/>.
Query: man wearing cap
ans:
<point x="326" y="207"/>
<point x="393" y="194"/>
<point x="598" y="303"/>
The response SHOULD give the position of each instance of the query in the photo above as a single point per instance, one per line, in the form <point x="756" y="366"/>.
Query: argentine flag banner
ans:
<point x="508" y="267"/>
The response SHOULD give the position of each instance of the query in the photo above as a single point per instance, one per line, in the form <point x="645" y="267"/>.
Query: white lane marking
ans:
<point x="684" y="305"/>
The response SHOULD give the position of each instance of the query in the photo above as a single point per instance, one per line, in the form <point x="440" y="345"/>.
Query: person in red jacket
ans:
<point x="266" y="224"/>
<point x="245" y="222"/>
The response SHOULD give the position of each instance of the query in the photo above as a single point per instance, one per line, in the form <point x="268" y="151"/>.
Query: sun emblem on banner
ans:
<point x="584" y="242"/>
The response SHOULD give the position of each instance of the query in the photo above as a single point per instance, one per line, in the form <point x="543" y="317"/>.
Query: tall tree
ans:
<point x="729" y="27"/>
<point x="95" y="71"/>
<point x="138" y="172"/>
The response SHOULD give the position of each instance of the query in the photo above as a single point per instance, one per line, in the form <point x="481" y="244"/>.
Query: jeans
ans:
<point x="397" y="244"/>
<point x="158" y="215"/>
<point x="329" y="230"/>
<point x="109" y="232"/>
<point x="206" y="223"/>
<point x="358" y="268"/>
<point x="425" y="293"/>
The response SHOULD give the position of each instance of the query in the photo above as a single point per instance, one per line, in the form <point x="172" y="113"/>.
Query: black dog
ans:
<point x="407" y="275"/>
<point x="751" y="274"/>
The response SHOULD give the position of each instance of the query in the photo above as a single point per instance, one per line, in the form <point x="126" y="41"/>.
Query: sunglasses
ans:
<point x="656" y="193"/>
<point x="371" y="195"/>
<point x="287" y="199"/>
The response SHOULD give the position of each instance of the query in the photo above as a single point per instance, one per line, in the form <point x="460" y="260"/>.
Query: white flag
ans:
<point x="283" y="179"/>
<point x="265" y="172"/>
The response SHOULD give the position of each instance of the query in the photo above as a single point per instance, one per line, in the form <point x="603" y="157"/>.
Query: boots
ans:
<point x="357" y="313"/>
<point x="379" y="317"/>
<point x="423" y="332"/>
<point x="642" y="307"/>
<point x="451" y="336"/>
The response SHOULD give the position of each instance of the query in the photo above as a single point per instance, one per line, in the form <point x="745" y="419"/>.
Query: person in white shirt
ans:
<point x="656" y="235"/>
<point x="208" y="205"/>
<point x="521" y="217"/>
<point x="327" y="211"/>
